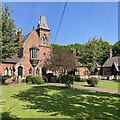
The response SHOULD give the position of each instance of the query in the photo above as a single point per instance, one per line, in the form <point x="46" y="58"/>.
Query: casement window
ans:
<point x="44" y="40"/>
<point x="10" y="71"/>
<point x="6" y="71"/>
<point x="37" y="71"/>
<point x="30" y="71"/>
<point x="34" y="53"/>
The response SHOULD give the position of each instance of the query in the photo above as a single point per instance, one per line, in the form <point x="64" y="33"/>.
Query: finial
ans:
<point x="33" y="27"/>
<point x="16" y="32"/>
<point x="19" y="29"/>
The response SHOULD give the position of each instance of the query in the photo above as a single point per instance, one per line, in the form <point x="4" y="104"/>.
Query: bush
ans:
<point x="68" y="80"/>
<point x="14" y="78"/>
<point x="55" y="80"/>
<point x="50" y="77"/>
<point x="23" y="80"/>
<point x="4" y="78"/>
<point x="118" y="80"/>
<point x="38" y="80"/>
<point x="77" y="77"/>
<point x="29" y="78"/>
<point x="92" y="81"/>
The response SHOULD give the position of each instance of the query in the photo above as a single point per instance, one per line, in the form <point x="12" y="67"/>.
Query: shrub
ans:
<point x="4" y="78"/>
<point x="77" y="77"/>
<point x="50" y="77"/>
<point x="68" y="80"/>
<point x="55" y="80"/>
<point x="92" y="81"/>
<point x="38" y="80"/>
<point x="14" y="78"/>
<point x="29" y="78"/>
<point x="23" y="80"/>
<point x="118" y="80"/>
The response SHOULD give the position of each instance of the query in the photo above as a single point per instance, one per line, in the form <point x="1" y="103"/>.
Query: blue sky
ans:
<point x="81" y="20"/>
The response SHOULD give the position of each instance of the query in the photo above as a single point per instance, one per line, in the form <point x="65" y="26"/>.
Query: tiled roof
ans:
<point x="112" y="60"/>
<point x="13" y="59"/>
<point x="25" y="38"/>
<point x="98" y="64"/>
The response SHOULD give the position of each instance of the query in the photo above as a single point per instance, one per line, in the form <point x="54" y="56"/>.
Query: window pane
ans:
<point x="30" y="71"/>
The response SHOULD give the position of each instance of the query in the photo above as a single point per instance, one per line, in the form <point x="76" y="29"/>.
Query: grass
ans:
<point x="102" y="84"/>
<point x="44" y="101"/>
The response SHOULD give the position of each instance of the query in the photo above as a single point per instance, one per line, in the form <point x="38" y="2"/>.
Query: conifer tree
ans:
<point x="9" y="43"/>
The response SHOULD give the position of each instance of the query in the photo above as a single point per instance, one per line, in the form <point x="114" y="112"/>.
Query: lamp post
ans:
<point x="34" y="58"/>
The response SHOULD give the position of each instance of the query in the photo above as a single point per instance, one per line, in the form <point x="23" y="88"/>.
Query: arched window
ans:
<point x="10" y="71"/>
<point x="6" y="71"/>
<point x="44" y="40"/>
<point x="30" y="71"/>
<point x="37" y="71"/>
<point x="20" y="71"/>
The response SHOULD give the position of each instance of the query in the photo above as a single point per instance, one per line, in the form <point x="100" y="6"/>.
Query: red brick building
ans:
<point x="111" y="66"/>
<point x="20" y="64"/>
<point x="35" y="46"/>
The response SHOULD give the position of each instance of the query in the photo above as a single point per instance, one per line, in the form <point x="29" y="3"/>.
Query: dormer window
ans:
<point x="44" y="40"/>
<point x="34" y="52"/>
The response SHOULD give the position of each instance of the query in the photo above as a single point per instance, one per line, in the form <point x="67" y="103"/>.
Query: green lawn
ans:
<point x="44" y="101"/>
<point x="102" y="84"/>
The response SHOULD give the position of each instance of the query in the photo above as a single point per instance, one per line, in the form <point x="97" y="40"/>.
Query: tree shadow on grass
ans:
<point x="70" y="102"/>
<point x="8" y="116"/>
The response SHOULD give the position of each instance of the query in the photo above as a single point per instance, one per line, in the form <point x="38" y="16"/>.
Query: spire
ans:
<point x="42" y="23"/>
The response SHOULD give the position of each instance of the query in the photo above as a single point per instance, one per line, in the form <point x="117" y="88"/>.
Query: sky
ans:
<point x="81" y="20"/>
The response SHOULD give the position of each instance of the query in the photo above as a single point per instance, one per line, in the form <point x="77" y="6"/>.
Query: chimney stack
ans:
<point x="110" y="53"/>
<point x="73" y="50"/>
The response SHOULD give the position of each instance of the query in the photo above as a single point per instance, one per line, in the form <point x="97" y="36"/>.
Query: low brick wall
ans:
<point x="8" y="81"/>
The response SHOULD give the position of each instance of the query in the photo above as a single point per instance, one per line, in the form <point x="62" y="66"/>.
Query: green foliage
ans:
<point x="50" y="77"/>
<point x="34" y="79"/>
<point x="68" y="80"/>
<point x="77" y="77"/>
<point x="23" y="80"/>
<point x="39" y="80"/>
<point x="29" y="78"/>
<point x="118" y="80"/>
<point x="92" y="81"/>
<point x="90" y="53"/>
<point x="105" y="47"/>
<point x="116" y="49"/>
<point x="68" y="48"/>
<point x="55" y="80"/>
<point x="9" y="46"/>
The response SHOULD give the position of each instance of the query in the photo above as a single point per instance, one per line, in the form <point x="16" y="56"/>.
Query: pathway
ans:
<point x="89" y="88"/>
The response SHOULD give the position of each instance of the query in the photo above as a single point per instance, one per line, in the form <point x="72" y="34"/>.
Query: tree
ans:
<point x="9" y="43"/>
<point x="90" y="53"/>
<point x="60" y="61"/>
<point x="105" y="46"/>
<point x="116" y="49"/>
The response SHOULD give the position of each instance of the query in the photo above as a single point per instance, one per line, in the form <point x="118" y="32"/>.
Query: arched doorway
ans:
<point x="20" y="71"/>
<point x="43" y="71"/>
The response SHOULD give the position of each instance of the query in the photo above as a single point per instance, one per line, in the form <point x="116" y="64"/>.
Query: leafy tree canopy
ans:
<point x="116" y="49"/>
<point x="9" y="43"/>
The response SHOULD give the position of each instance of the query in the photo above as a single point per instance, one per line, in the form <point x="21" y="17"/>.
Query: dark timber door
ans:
<point x="20" y="71"/>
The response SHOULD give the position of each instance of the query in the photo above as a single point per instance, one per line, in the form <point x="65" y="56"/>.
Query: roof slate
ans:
<point x="112" y="60"/>
<point x="13" y="59"/>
